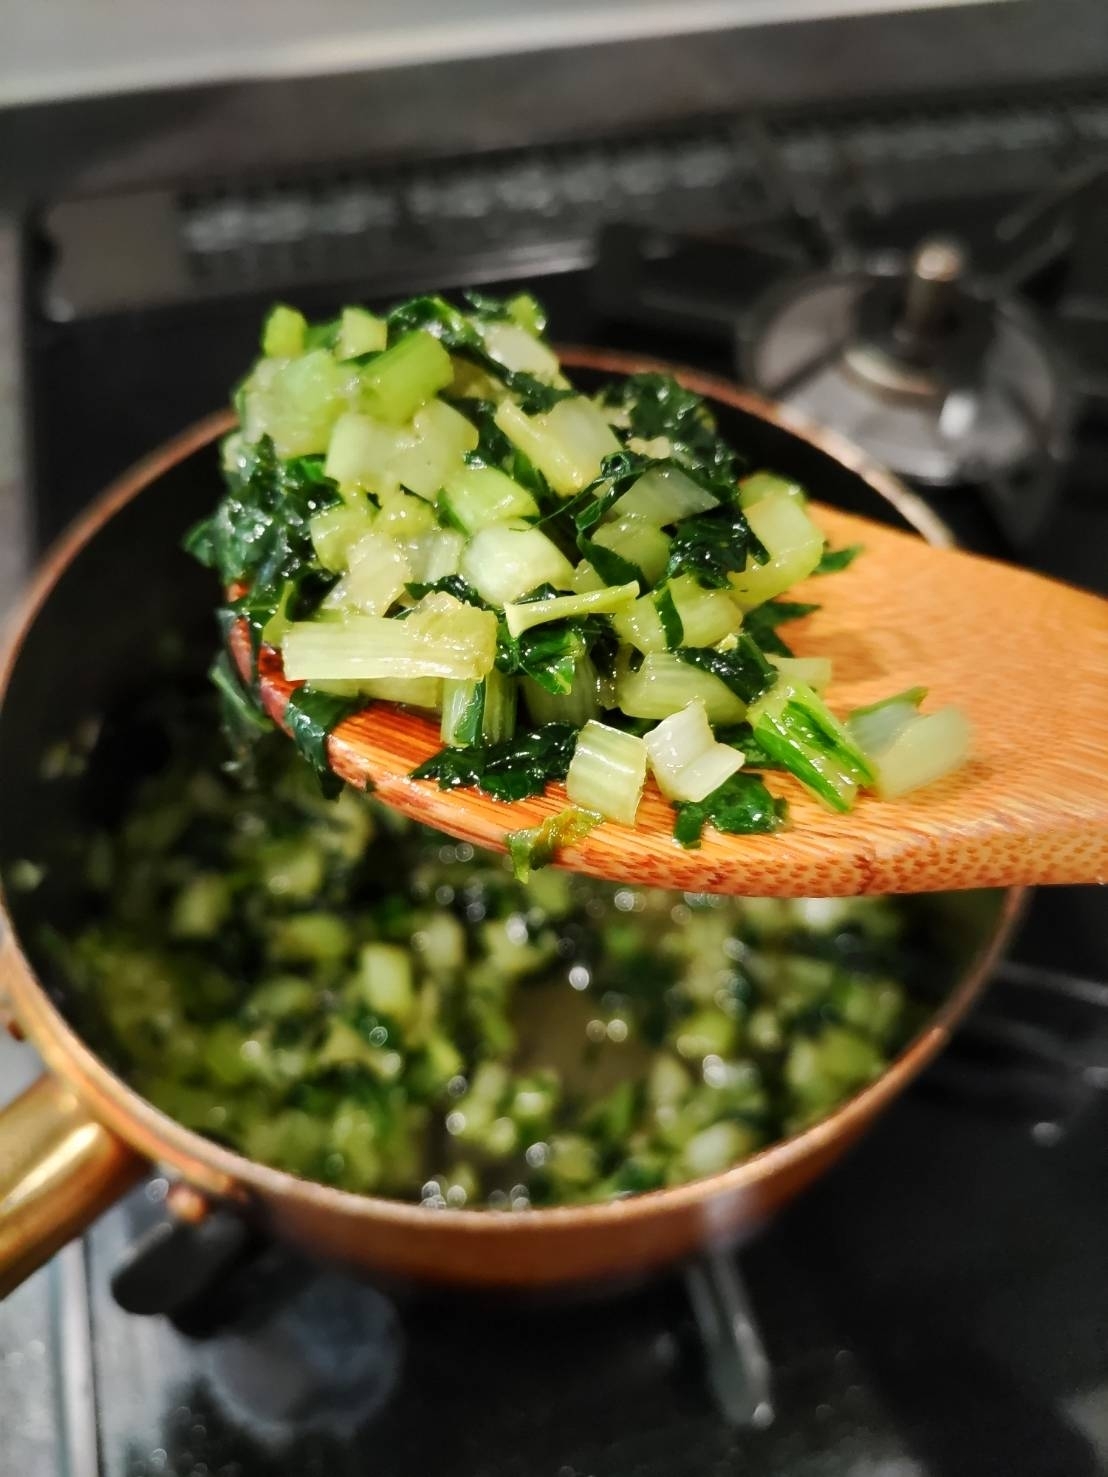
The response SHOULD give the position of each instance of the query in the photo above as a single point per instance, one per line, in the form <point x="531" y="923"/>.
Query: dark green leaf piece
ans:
<point x="436" y="316"/>
<point x="658" y="406"/>
<point x="744" y="669"/>
<point x="260" y="533"/>
<point x="742" y="806"/>
<point x="672" y="625"/>
<point x="512" y="770"/>
<point x="741" y="736"/>
<point x="712" y="546"/>
<point x="450" y="584"/>
<point x="310" y="716"/>
<point x="762" y="623"/>
<point x="832" y="560"/>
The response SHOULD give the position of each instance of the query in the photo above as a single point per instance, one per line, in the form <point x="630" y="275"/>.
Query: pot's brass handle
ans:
<point x="59" y="1168"/>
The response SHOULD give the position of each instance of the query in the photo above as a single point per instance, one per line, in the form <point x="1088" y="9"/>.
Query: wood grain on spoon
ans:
<point x="1026" y="658"/>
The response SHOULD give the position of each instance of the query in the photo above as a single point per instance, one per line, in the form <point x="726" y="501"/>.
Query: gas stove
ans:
<point x="932" y="278"/>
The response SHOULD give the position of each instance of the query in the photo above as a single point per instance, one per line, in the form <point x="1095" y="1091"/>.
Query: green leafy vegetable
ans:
<point x="834" y="560"/>
<point x="450" y="584"/>
<point x="513" y="770"/>
<point x="657" y="405"/>
<point x="536" y="846"/>
<point x="310" y="716"/>
<point x="762" y="622"/>
<point x="713" y="546"/>
<point x="652" y="554"/>
<point x="798" y="729"/>
<point x="672" y="625"/>
<point x="744" y="669"/>
<point x="436" y="316"/>
<point x="550" y="653"/>
<point x="260" y="532"/>
<point x="742" y="806"/>
<point x="741" y="736"/>
<point x="493" y="449"/>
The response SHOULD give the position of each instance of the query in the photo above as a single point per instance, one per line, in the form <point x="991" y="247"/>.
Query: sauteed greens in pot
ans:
<point x="422" y="509"/>
<point x="337" y="992"/>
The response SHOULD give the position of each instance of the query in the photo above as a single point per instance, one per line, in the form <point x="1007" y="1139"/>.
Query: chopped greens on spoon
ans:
<point x="421" y="509"/>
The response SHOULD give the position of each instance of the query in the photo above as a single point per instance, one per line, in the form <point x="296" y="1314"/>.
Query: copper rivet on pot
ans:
<point x="186" y="1204"/>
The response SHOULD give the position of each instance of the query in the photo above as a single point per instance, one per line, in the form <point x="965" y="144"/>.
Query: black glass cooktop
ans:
<point x="938" y="1306"/>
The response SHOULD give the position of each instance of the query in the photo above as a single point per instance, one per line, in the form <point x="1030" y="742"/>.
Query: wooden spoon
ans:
<point x="1025" y="657"/>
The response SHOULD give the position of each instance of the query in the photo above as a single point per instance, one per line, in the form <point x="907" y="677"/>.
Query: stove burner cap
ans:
<point x="919" y="367"/>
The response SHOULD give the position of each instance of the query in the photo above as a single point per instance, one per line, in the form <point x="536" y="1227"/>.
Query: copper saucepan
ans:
<point x="80" y="1136"/>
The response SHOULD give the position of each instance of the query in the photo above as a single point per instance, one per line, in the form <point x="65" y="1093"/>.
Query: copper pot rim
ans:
<point x="224" y="1173"/>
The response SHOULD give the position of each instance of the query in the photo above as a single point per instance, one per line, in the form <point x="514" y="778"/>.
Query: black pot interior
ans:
<point x="129" y="615"/>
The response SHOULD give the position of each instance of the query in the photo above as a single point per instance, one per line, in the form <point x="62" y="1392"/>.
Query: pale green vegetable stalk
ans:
<point x="503" y="563"/>
<point x="585" y="578"/>
<point x="638" y="541"/>
<point x="360" y="332"/>
<point x="814" y="671"/>
<point x="442" y="437"/>
<point x="399" y="381"/>
<point x="515" y="348"/>
<point x="576" y="706"/>
<point x="432" y="556"/>
<point x="911" y="749"/>
<point x="793" y="542"/>
<point x="411" y="692"/>
<point x="336" y="529"/>
<point x="474" y="497"/>
<point x="361" y="451"/>
<point x="479" y="712"/>
<point x="688" y="762"/>
<point x="297" y="401"/>
<point x="376" y="577"/>
<point x="441" y="638"/>
<point x="567" y="444"/>
<point x="706" y="616"/>
<point x="761" y="485"/>
<point x="608" y="601"/>
<point x="663" y="495"/>
<point x="283" y="334"/>
<point x="664" y="684"/>
<point x="794" y="725"/>
<point x="640" y="625"/>
<point x="607" y="772"/>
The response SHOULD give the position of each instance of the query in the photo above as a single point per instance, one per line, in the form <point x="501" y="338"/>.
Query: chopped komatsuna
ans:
<point x="908" y="748"/>
<point x="607" y="772"/>
<point x="421" y="507"/>
<point x="687" y="761"/>
<point x="338" y="992"/>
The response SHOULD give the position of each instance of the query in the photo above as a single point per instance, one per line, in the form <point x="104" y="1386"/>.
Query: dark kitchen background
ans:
<point x="760" y="189"/>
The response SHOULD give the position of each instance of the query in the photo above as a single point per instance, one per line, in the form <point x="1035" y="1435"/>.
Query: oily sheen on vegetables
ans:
<point x="423" y="510"/>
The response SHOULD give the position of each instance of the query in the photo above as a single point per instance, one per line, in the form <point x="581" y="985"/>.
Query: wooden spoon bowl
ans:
<point x="1025" y="657"/>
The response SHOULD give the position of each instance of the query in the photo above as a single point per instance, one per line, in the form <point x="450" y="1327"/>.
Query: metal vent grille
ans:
<point x="537" y="210"/>
<point x="508" y="204"/>
<point x="731" y="172"/>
